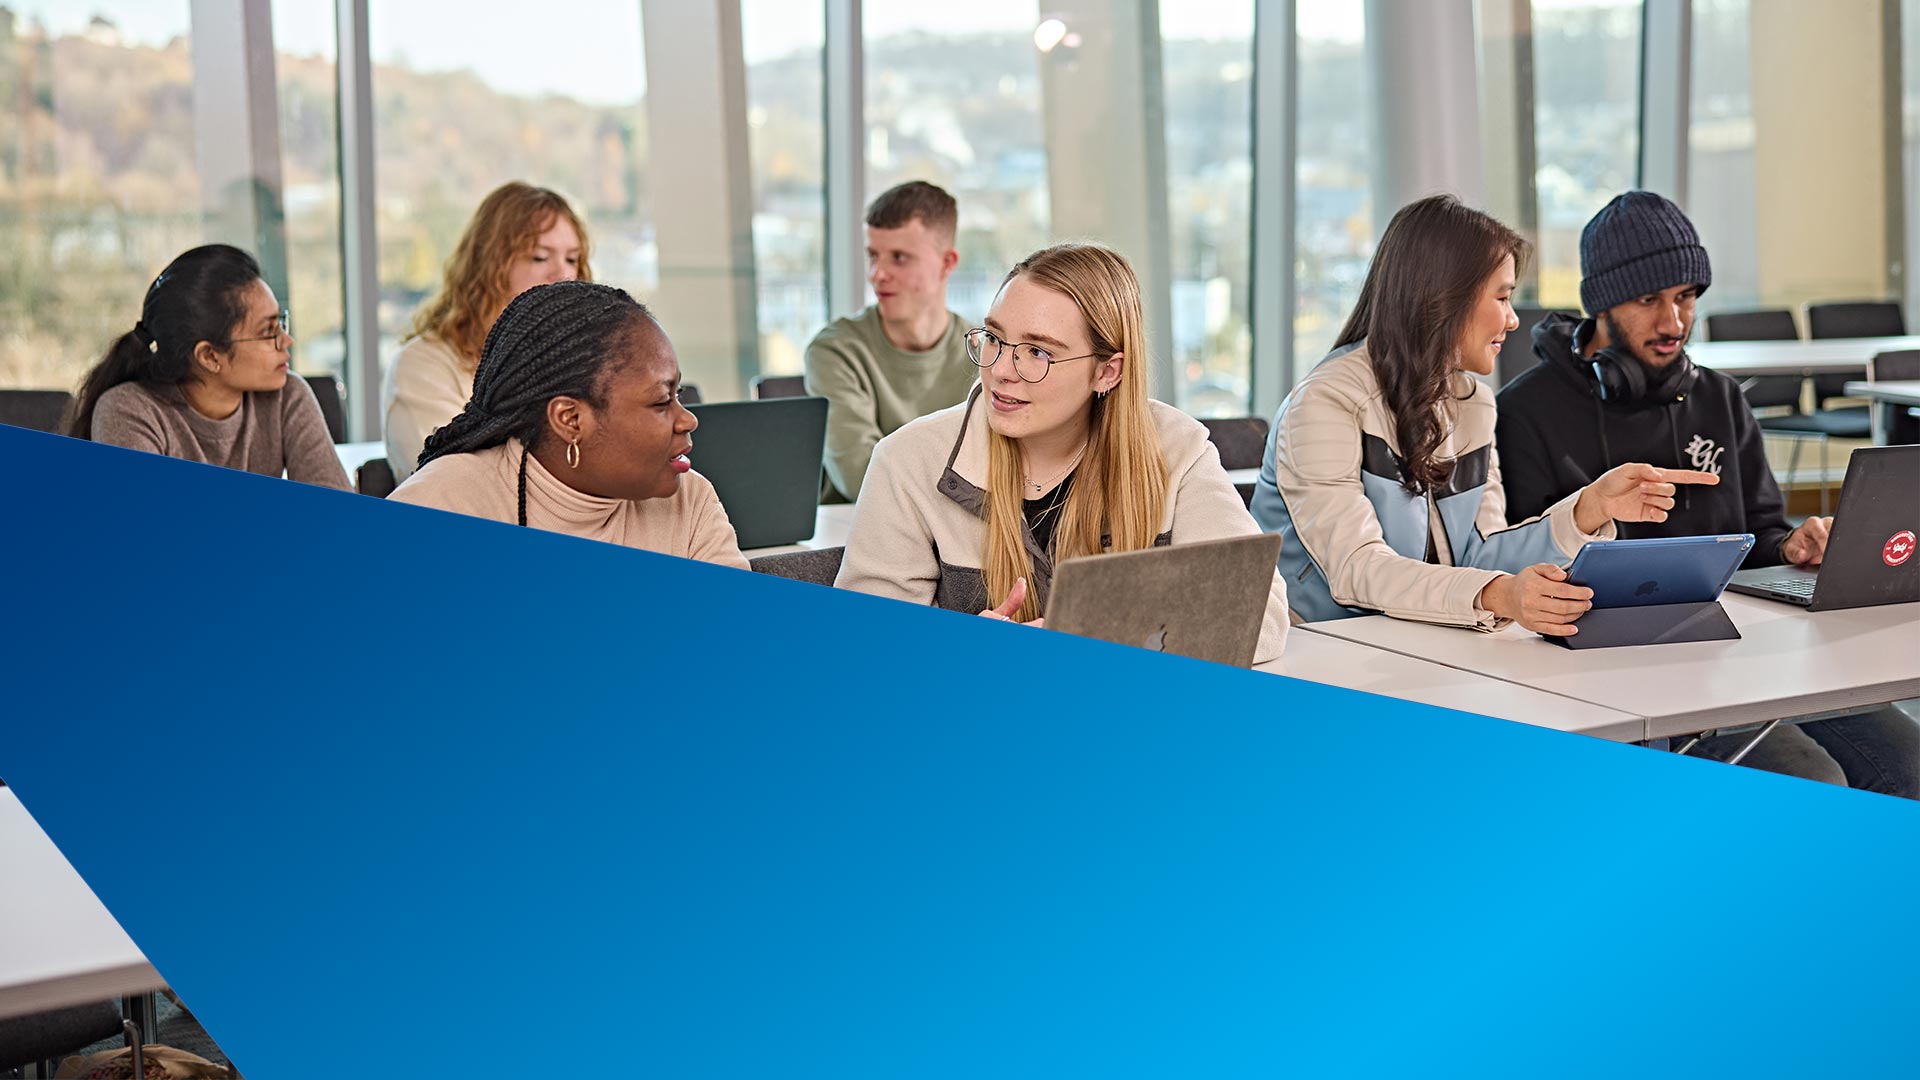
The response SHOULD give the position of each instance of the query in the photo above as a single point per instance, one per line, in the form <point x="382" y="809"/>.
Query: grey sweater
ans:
<point x="272" y="432"/>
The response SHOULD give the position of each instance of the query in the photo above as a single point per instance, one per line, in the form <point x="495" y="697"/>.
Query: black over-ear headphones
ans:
<point x="1622" y="378"/>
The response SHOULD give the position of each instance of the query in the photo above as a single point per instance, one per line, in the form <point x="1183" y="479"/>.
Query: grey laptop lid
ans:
<point x="763" y="458"/>
<point x="1871" y="557"/>
<point x="1204" y="600"/>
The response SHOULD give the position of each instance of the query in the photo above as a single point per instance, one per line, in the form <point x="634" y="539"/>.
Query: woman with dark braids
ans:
<point x="576" y="427"/>
<point x="1381" y="472"/>
<point x="203" y="376"/>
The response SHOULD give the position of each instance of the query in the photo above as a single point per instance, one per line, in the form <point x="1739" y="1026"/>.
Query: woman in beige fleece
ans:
<point x="576" y="427"/>
<point x="521" y="236"/>
<point x="1057" y="453"/>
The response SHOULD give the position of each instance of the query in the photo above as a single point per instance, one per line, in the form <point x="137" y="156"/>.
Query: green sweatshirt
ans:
<point x="873" y="389"/>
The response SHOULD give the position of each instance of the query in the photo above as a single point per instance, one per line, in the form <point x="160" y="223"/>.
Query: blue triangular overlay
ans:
<point x="469" y="798"/>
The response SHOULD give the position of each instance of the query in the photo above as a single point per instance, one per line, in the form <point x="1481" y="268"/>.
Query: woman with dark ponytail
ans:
<point x="576" y="427"/>
<point x="203" y="376"/>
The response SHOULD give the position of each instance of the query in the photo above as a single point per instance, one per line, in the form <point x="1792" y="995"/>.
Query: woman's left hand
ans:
<point x="1632" y="492"/>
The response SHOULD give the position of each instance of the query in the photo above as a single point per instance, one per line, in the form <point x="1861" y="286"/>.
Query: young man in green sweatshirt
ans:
<point x="906" y="355"/>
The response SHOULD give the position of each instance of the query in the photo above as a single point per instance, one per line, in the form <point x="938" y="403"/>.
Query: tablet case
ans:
<point x="1632" y="620"/>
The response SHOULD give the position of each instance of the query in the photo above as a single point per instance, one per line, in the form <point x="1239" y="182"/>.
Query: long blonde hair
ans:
<point x="473" y="290"/>
<point x="1120" y="487"/>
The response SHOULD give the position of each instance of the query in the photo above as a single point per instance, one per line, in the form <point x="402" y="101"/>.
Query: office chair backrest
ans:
<point x="1241" y="440"/>
<point x="819" y="566"/>
<point x="1878" y="318"/>
<point x="326" y="390"/>
<point x="375" y="477"/>
<point x="40" y="410"/>
<point x="778" y="386"/>
<point x="1770" y="324"/>
<point x="1901" y="365"/>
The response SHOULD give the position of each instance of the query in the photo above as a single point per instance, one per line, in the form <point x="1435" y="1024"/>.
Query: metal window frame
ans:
<point x="1276" y="126"/>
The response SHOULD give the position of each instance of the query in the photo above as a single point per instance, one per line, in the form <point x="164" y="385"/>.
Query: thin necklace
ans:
<point x="1039" y="486"/>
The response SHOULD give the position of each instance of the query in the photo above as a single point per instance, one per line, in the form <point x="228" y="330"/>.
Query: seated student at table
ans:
<point x="1618" y="385"/>
<point x="1380" y="470"/>
<point x="1057" y="453"/>
<point x="521" y="236"/>
<point x="576" y="427"/>
<point x="203" y="375"/>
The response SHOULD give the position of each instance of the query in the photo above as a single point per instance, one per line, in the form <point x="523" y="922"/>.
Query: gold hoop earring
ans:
<point x="573" y="455"/>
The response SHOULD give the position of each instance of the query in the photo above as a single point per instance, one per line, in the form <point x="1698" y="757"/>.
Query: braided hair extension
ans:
<point x="551" y="341"/>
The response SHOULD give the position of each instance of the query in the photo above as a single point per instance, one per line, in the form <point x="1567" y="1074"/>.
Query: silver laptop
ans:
<point x="1871" y="557"/>
<point x="1204" y="600"/>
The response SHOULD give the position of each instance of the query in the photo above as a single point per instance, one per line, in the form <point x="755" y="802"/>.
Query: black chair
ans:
<point x="1241" y="440"/>
<point x="1769" y="324"/>
<point x="375" y="477"/>
<point x="40" y="1038"/>
<point x="1851" y="319"/>
<point x="326" y="390"/>
<point x="689" y="394"/>
<point x="778" y="386"/>
<point x="1860" y="318"/>
<point x="1516" y="353"/>
<point x="1902" y="424"/>
<point x="38" y="410"/>
<point x="818" y="566"/>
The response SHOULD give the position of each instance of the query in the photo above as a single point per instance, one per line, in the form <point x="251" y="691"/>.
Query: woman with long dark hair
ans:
<point x="1381" y="471"/>
<point x="203" y="375"/>
<point x="576" y="427"/>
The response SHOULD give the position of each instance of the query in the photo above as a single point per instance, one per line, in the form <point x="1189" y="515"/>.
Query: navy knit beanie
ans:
<point x="1638" y="244"/>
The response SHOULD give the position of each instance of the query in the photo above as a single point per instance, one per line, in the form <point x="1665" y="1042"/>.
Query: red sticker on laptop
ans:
<point x="1899" y="548"/>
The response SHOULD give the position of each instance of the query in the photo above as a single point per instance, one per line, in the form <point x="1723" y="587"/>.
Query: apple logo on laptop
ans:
<point x="1647" y="588"/>
<point x="1157" y="641"/>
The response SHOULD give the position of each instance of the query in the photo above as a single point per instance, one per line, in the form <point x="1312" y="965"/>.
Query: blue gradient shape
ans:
<point x="477" y="799"/>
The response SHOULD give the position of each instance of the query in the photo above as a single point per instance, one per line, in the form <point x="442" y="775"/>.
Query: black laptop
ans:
<point x="1870" y="556"/>
<point x="763" y="457"/>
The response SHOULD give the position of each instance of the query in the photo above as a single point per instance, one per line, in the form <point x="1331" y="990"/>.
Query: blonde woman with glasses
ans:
<point x="1058" y="452"/>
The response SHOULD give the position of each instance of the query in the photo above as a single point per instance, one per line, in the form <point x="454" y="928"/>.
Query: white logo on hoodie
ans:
<point x="1704" y="454"/>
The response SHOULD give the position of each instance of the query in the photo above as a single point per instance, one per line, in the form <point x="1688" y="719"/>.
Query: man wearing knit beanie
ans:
<point x="1618" y="387"/>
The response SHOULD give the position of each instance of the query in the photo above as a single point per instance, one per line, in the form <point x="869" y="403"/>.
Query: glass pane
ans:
<point x="953" y="98"/>
<point x="1207" y="66"/>
<point x="1720" y="153"/>
<point x="98" y="183"/>
<point x="783" y="41"/>
<point x="307" y="80"/>
<point x="1333" y="230"/>
<point x="556" y="101"/>
<point x="1586" y="64"/>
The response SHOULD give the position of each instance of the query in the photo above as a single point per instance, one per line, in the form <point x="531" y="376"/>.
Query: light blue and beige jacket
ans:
<point x="1358" y="542"/>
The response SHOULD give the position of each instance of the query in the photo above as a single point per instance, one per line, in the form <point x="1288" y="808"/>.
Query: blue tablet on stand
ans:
<point x="1655" y="591"/>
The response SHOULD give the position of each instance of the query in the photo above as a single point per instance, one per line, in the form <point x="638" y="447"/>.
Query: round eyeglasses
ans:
<point x="283" y="330"/>
<point x="984" y="348"/>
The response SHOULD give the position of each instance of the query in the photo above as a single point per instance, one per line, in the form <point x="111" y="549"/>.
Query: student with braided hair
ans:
<point x="576" y="427"/>
<point x="203" y="376"/>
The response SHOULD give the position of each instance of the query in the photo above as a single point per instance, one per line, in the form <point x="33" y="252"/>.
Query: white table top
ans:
<point x="355" y="454"/>
<point x="1827" y="356"/>
<point x="830" y="527"/>
<point x="1243" y="476"/>
<point x="1788" y="662"/>
<point x="1329" y="660"/>
<point x="1900" y="392"/>
<point x="58" y="944"/>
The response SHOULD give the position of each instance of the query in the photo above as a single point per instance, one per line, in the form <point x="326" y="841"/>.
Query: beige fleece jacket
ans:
<point x="919" y="531"/>
<point x="427" y="385"/>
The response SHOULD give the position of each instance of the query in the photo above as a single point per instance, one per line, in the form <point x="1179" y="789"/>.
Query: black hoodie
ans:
<point x="1555" y="436"/>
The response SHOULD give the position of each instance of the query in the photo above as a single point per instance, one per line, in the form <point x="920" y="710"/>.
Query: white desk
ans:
<point x="1331" y="661"/>
<point x="1243" y="477"/>
<point x="355" y="454"/>
<point x="1889" y="393"/>
<point x="1789" y="662"/>
<point x="58" y="944"/>
<point x="830" y="527"/>
<point x="1827" y="356"/>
